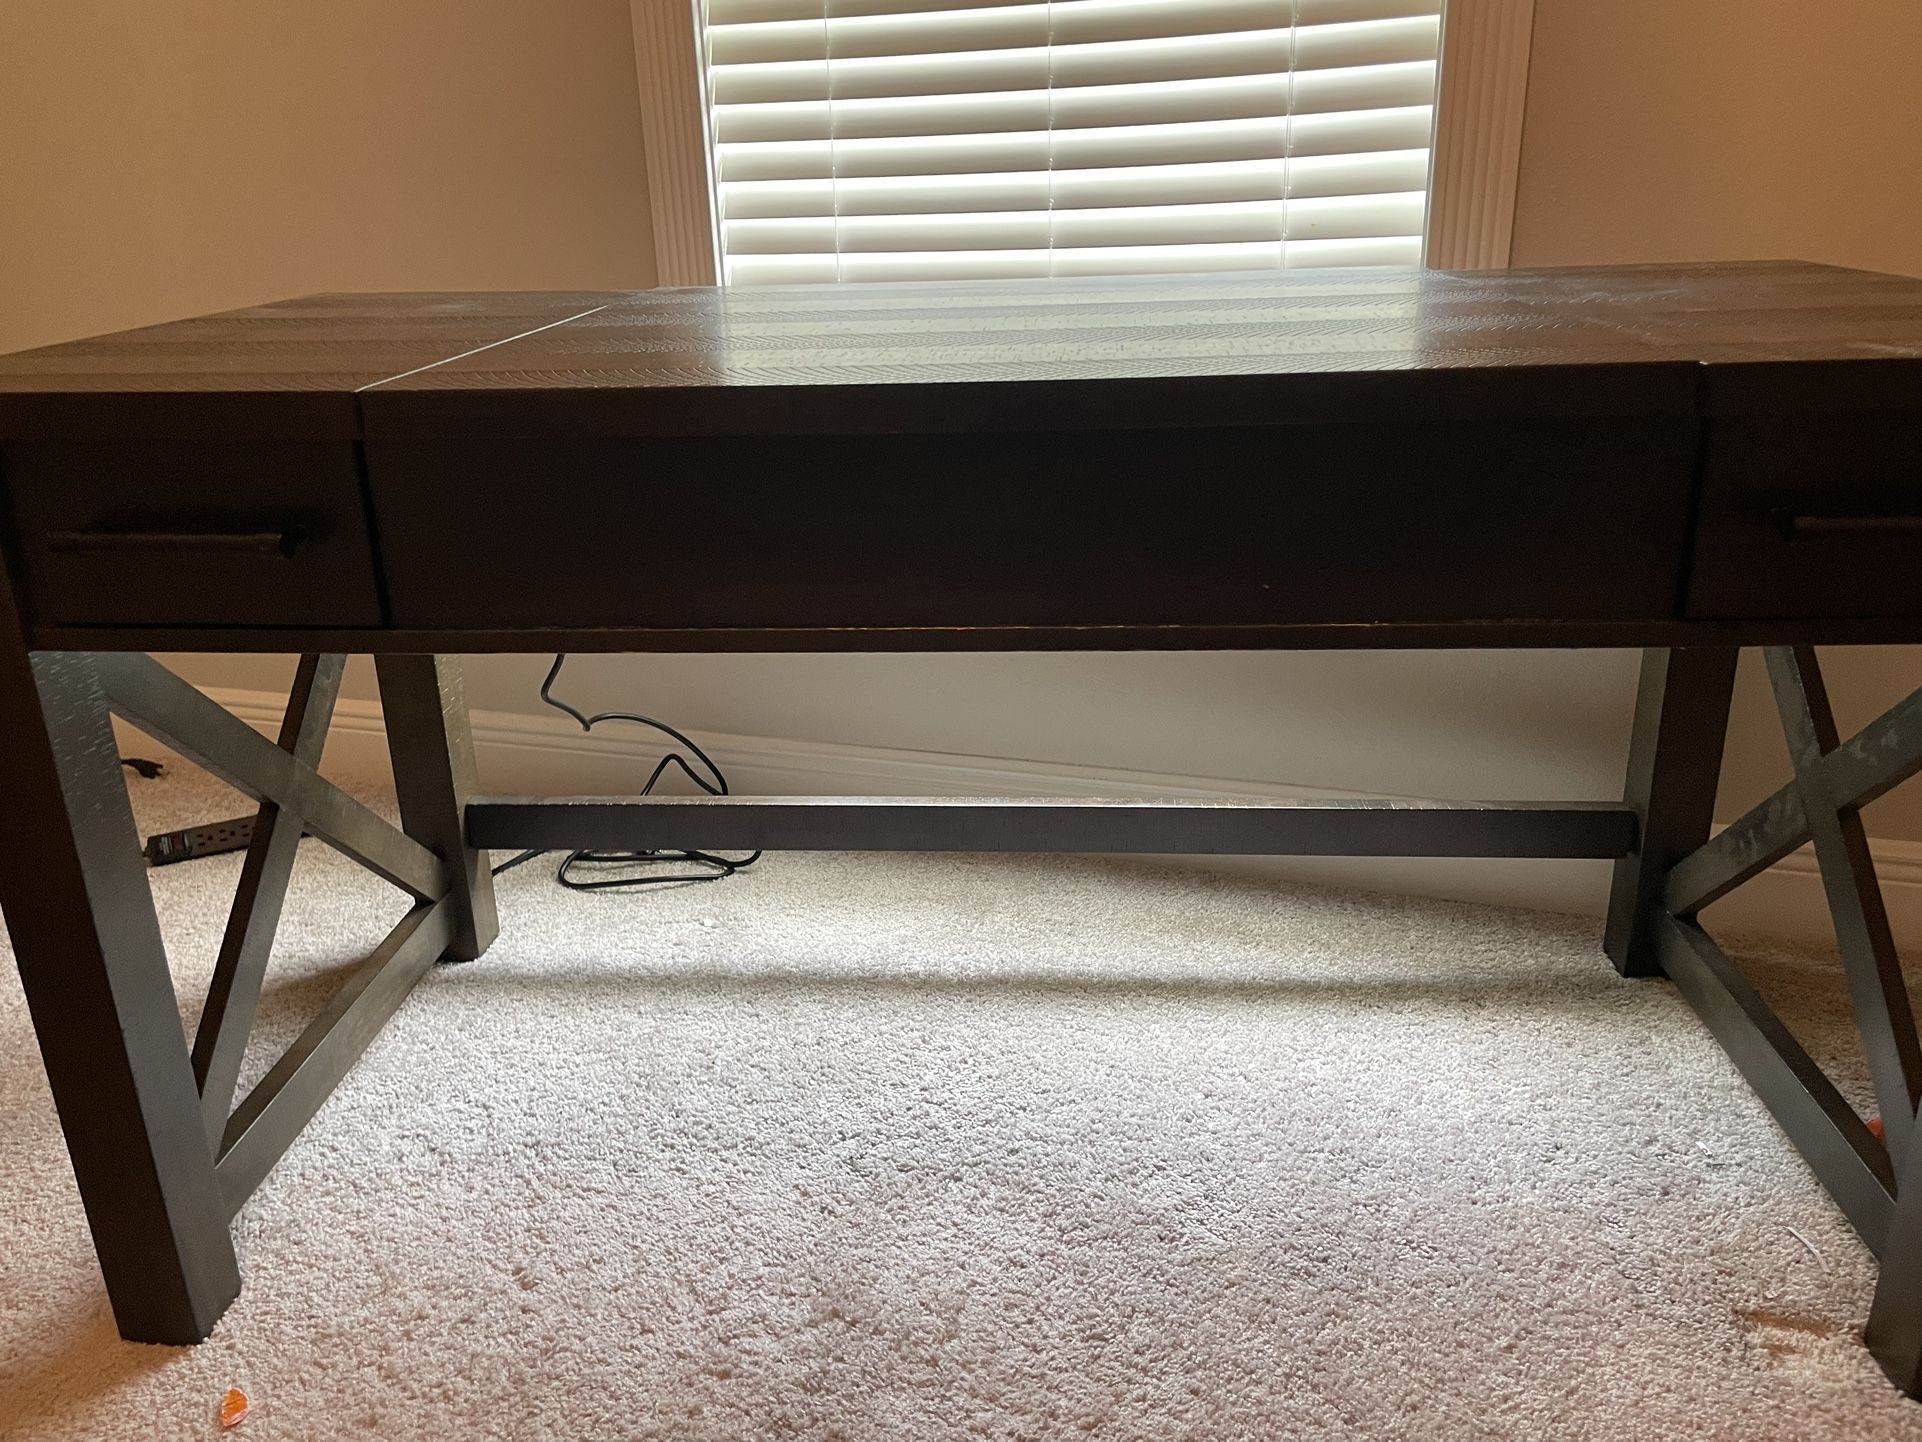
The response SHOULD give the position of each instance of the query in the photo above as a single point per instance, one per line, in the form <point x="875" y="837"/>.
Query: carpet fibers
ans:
<point x="949" y="1147"/>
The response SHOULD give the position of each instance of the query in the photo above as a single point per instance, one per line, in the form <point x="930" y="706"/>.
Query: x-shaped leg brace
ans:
<point x="163" y="1156"/>
<point x="1680" y="721"/>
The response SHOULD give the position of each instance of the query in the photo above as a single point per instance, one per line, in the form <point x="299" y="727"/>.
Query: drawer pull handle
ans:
<point x="1811" y="528"/>
<point x="220" y="543"/>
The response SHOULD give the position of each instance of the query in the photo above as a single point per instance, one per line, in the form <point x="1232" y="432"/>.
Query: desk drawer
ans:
<point x="1816" y="516"/>
<point x="183" y="534"/>
<point x="1299" y="524"/>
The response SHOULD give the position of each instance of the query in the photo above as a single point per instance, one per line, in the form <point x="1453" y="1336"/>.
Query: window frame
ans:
<point x="1477" y="155"/>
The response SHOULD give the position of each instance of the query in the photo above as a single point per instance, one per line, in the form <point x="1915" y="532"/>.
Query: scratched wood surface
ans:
<point x="1228" y="349"/>
<point x="1143" y="460"/>
<point x="1262" y="348"/>
<point x="287" y="370"/>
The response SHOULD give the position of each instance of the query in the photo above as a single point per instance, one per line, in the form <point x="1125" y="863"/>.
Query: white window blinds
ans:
<point x="954" y="139"/>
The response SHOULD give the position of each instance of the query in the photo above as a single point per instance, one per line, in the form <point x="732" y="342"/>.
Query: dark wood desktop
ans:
<point x="1683" y="459"/>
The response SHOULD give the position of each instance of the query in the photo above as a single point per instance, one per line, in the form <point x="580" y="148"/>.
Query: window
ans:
<point x="857" y="140"/>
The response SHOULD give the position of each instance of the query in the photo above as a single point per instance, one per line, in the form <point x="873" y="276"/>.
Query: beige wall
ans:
<point x="1723" y="129"/>
<point x="166" y="159"/>
<point x="161" y="158"/>
<point x="1734" y="130"/>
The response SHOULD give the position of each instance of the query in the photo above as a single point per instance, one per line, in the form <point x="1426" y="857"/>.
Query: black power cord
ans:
<point x="715" y="868"/>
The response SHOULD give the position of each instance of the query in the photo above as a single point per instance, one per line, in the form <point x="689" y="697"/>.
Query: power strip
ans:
<point x="167" y="847"/>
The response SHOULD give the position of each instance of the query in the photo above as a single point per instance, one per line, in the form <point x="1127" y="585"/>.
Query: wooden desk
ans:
<point x="1688" y="460"/>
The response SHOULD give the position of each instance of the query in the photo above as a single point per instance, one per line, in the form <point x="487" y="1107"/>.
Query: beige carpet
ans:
<point x="935" y="1147"/>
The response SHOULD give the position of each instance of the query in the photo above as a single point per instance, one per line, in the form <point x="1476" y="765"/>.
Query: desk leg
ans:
<point x="1894" y="1332"/>
<point x="433" y="755"/>
<point x="95" y="974"/>
<point x="1674" y="765"/>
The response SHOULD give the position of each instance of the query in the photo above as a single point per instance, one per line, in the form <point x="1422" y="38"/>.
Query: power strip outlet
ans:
<point x="167" y="847"/>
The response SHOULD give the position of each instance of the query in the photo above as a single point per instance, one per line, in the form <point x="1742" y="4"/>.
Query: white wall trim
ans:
<point x="521" y="754"/>
<point x="667" y="62"/>
<point x="1478" y="133"/>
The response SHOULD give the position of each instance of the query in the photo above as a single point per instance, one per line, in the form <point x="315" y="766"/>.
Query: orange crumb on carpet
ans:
<point x="233" y="1407"/>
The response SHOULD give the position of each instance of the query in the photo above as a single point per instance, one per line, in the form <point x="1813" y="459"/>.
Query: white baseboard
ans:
<point x="523" y="754"/>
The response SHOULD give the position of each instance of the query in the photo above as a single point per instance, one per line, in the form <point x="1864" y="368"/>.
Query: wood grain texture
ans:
<point x="1223" y="349"/>
<point x="285" y="370"/>
<point x="1257" y="349"/>
<point x="1309" y="458"/>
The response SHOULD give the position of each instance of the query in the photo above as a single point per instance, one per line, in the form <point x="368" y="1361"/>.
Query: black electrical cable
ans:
<point x="717" y="867"/>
